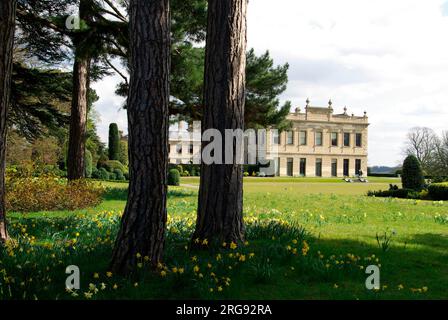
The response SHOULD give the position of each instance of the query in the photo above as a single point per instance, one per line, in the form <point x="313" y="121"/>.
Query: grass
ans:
<point x="338" y="223"/>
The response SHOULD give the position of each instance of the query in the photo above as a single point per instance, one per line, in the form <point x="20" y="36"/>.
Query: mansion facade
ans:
<point x="320" y="143"/>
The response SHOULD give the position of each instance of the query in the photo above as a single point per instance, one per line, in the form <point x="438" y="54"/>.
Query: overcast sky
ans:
<point x="386" y="57"/>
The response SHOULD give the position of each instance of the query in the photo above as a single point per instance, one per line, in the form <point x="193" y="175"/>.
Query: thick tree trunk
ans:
<point x="78" y="119"/>
<point x="221" y="191"/>
<point x="7" y="25"/>
<point x="144" y="221"/>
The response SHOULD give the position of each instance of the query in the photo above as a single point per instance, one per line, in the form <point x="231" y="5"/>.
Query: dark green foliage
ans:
<point x="393" y="193"/>
<point x="124" y="158"/>
<point x="438" y="191"/>
<point x="173" y="177"/>
<point x="119" y="175"/>
<point x="103" y="174"/>
<point x="40" y="101"/>
<point x="112" y="165"/>
<point x="412" y="177"/>
<point x="114" y="142"/>
<point x="89" y="164"/>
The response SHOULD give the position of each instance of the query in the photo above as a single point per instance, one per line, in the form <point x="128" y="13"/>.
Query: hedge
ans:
<point x="400" y="193"/>
<point x="438" y="191"/>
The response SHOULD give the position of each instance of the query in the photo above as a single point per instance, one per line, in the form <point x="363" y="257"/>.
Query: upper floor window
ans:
<point x="190" y="149"/>
<point x="359" y="139"/>
<point x="319" y="140"/>
<point x="303" y="137"/>
<point x="346" y="139"/>
<point x="334" y="139"/>
<point x="289" y="137"/>
<point x="275" y="137"/>
<point x="179" y="148"/>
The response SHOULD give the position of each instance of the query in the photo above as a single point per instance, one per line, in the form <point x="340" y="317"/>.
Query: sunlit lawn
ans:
<point x="340" y="220"/>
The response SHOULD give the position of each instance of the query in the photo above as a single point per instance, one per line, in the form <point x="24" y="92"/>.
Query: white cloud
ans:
<point x="389" y="58"/>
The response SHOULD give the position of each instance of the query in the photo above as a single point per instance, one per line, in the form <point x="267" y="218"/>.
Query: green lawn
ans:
<point x="340" y="223"/>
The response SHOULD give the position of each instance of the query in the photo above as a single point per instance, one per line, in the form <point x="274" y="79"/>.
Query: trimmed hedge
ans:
<point x="438" y="191"/>
<point x="173" y="177"/>
<point x="400" y="193"/>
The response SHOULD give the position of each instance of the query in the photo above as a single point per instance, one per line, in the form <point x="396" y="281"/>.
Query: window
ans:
<point x="334" y="167"/>
<point x="319" y="138"/>
<point x="179" y="148"/>
<point x="318" y="167"/>
<point x="303" y="138"/>
<point x="169" y="148"/>
<point x="289" y="169"/>
<point x="357" y="166"/>
<point x="346" y="167"/>
<point x="334" y="139"/>
<point x="303" y="167"/>
<point x="290" y="137"/>
<point x="359" y="139"/>
<point x="275" y="137"/>
<point x="346" y="139"/>
<point x="190" y="149"/>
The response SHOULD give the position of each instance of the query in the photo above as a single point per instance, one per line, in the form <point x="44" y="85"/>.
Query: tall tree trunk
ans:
<point x="144" y="221"/>
<point x="78" y="120"/>
<point x="7" y="25"/>
<point x="221" y="190"/>
<point x="78" y="113"/>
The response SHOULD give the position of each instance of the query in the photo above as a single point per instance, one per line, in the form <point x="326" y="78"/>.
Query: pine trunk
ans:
<point x="143" y="224"/>
<point x="78" y="120"/>
<point x="7" y="25"/>
<point x="220" y="206"/>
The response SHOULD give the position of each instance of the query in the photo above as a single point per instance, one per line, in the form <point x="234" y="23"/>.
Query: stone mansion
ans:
<point x="320" y="143"/>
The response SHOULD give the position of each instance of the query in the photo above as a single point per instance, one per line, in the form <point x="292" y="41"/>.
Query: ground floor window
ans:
<point x="302" y="167"/>
<point x="334" y="167"/>
<point x="346" y="167"/>
<point x="318" y="167"/>
<point x="289" y="165"/>
<point x="357" y="166"/>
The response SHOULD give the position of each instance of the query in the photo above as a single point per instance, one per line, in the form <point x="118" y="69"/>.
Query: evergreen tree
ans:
<point x="7" y="25"/>
<point x="412" y="176"/>
<point x="114" y="142"/>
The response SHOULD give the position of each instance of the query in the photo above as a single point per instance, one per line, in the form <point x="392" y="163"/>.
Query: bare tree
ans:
<point x="143" y="224"/>
<point x="7" y="25"/>
<point x="440" y="162"/>
<point x="421" y="143"/>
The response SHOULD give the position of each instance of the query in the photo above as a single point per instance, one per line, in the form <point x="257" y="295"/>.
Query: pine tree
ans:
<point x="143" y="225"/>
<point x="220" y="208"/>
<point x="7" y="25"/>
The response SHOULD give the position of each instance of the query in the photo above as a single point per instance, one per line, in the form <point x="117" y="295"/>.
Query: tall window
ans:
<point x="334" y="167"/>
<point x="346" y="139"/>
<point x="290" y="137"/>
<point x="346" y="167"/>
<point x="303" y="167"/>
<point x="289" y="167"/>
<point x="179" y="148"/>
<point x="334" y="139"/>
<point x="275" y="137"/>
<point x="318" y="167"/>
<point x="190" y="149"/>
<point x="359" y="139"/>
<point x="303" y="138"/>
<point x="357" y="166"/>
<point x="319" y="136"/>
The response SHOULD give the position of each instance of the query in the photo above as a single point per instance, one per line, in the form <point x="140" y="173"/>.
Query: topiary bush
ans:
<point x="398" y="193"/>
<point x="438" y="191"/>
<point x="173" y="177"/>
<point x="119" y="175"/>
<point x="412" y="176"/>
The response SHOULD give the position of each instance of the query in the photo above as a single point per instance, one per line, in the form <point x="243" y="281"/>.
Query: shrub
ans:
<point x="412" y="177"/>
<point x="114" y="142"/>
<point x="246" y="174"/>
<point x="89" y="162"/>
<point x="393" y="193"/>
<point x="185" y="173"/>
<point x="112" y="165"/>
<point x="103" y="174"/>
<point x="438" y="191"/>
<point x="50" y="193"/>
<point x="173" y="177"/>
<point x="119" y="175"/>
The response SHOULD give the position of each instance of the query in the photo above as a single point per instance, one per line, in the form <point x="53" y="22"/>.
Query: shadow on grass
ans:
<point x="121" y="194"/>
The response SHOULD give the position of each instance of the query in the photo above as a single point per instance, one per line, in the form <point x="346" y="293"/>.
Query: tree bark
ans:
<point x="143" y="224"/>
<point x="78" y="113"/>
<point x="220" y="206"/>
<point x="7" y="25"/>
